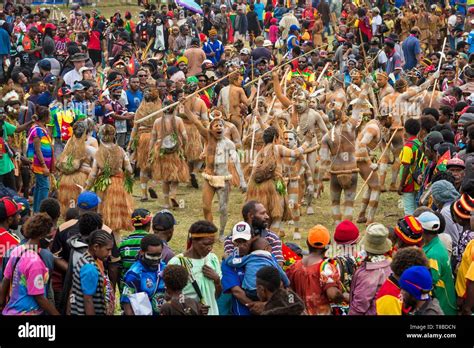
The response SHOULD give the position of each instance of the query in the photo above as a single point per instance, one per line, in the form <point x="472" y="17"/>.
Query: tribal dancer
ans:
<point x="368" y="140"/>
<point x="338" y="155"/>
<point x="266" y="184"/>
<point x="107" y="176"/>
<point x="217" y="177"/>
<point x="74" y="165"/>
<point x="166" y="150"/>
<point x="140" y="138"/>
<point x="298" y="178"/>
<point x="194" y="147"/>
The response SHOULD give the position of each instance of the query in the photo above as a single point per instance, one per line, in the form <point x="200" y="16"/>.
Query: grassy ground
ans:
<point x="388" y="212"/>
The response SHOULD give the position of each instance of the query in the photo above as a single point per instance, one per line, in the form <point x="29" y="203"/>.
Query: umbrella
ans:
<point x="190" y="5"/>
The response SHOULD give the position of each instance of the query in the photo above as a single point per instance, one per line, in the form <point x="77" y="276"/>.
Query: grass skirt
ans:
<point x="117" y="206"/>
<point x="68" y="190"/>
<point x="235" y="182"/>
<point x="266" y="194"/>
<point x="142" y="150"/>
<point x="193" y="147"/>
<point x="170" y="167"/>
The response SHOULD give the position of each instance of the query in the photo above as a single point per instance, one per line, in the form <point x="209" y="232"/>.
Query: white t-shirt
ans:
<point x="452" y="20"/>
<point x="376" y="23"/>
<point x="71" y="77"/>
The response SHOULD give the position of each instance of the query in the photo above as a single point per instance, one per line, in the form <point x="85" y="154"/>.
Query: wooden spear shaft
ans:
<point x="378" y="162"/>
<point x="253" y="123"/>
<point x="439" y="67"/>
<point x="185" y="98"/>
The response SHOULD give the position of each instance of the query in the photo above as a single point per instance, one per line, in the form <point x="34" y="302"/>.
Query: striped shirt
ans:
<point x="129" y="249"/>
<point x="271" y="238"/>
<point x="79" y="288"/>
<point x="46" y="149"/>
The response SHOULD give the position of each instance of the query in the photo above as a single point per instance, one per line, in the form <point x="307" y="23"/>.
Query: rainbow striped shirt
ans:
<point x="46" y="149"/>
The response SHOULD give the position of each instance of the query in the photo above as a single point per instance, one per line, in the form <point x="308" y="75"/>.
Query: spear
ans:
<point x="439" y="67"/>
<point x="185" y="98"/>
<point x="253" y="123"/>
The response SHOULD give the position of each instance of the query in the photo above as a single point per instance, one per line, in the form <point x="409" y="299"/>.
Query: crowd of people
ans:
<point x="273" y="98"/>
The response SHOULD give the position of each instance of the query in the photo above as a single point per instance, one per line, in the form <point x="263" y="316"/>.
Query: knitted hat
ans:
<point x="409" y="230"/>
<point x="319" y="237"/>
<point x="463" y="207"/>
<point x="141" y="217"/>
<point x="376" y="239"/>
<point x="417" y="281"/>
<point x="443" y="191"/>
<point x="346" y="233"/>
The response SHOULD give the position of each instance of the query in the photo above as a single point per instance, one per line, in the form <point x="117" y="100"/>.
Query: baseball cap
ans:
<point x="211" y="74"/>
<point x="429" y="221"/>
<point x="88" y="200"/>
<point x="245" y="51"/>
<point x="294" y="27"/>
<point x="84" y="68"/>
<point x="8" y="207"/>
<point x="319" y="237"/>
<point x="141" y="217"/>
<point x="78" y="87"/>
<point x="433" y="139"/>
<point x="455" y="162"/>
<point x="417" y="281"/>
<point x="241" y="230"/>
<point x="50" y="79"/>
<point x="44" y="64"/>
<point x="267" y="43"/>
<point x="64" y="91"/>
<point x="50" y="26"/>
<point x="163" y="220"/>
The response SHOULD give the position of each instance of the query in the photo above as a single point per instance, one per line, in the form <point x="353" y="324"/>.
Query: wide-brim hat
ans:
<point x="78" y="57"/>
<point x="376" y="239"/>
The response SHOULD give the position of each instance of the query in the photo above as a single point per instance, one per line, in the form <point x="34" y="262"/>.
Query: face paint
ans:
<point x="290" y="140"/>
<point x="151" y="261"/>
<point x="217" y="129"/>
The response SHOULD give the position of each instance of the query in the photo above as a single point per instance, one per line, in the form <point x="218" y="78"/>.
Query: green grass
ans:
<point x="387" y="213"/>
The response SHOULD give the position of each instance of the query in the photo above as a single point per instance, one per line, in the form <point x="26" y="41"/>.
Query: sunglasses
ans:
<point x="141" y="75"/>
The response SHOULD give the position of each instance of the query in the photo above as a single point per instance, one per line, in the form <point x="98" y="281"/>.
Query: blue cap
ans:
<point x="78" y="87"/>
<point x="50" y="79"/>
<point x="417" y="281"/>
<point x="430" y="222"/>
<point x="44" y="64"/>
<point x="88" y="200"/>
<point x="294" y="27"/>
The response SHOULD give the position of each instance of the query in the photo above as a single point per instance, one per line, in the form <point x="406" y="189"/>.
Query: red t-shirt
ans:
<point x="7" y="241"/>
<point x="311" y="284"/>
<point x="94" y="41"/>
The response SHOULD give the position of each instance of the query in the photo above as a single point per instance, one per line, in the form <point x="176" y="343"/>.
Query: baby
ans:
<point x="259" y="257"/>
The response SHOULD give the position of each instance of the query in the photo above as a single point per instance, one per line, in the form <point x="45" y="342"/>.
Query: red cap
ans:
<point x="471" y="10"/>
<point x="8" y="207"/>
<point x="346" y="233"/>
<point x="50" y="25"/>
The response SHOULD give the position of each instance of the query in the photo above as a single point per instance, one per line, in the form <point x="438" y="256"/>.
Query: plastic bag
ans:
<point x="140" y="303"/>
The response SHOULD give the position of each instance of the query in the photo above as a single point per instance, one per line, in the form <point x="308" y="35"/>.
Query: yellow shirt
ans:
<point x="465" y="270"/>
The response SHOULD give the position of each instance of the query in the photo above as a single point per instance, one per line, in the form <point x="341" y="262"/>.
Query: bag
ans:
<point x="140" y="303"/>
<point x="280" y="43"/>
<point x="170" y="143"/>
<point x="265" y="168"/>
<point x="186" y="264"/>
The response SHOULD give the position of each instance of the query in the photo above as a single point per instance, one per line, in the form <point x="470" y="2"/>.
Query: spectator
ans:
<point x="411" y="49"/>
<point x="204" y="282"/>
<point x="176" y="278"/>
<point x="145" y="276"/>
<point x="373" y="271"/>
<point x="314" y="278"/>
<point x="416" y="284"/>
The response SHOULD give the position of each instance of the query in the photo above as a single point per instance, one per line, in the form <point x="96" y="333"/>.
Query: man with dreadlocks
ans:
<point x="74" y="166"/>
<point x="338" y="156"/>
<point x="298" y="178"/>
<point x="307" y="119"/>
<point x="217" y="178"/>
<point x="266" y="184"/>
<point x="193" y="147"/>
<point x="140" y="137"/>
<point x="166" y="158"/>
<point x="234" y="100"/>
<point x="107" y="176"/>
<point x="368" y="139"/>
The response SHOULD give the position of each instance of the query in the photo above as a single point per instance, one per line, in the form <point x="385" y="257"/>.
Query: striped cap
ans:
<point x="409" y="230"/>
<point x="463" y="207"/>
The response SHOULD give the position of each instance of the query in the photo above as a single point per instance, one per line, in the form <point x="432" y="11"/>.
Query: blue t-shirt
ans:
<point x="399" y="3"/>
<point x="470" y="41"/>
<point x="259" y="8"/>
<point x="134" y="100"/>
<point x="232" y="277"/>
<point x="459" y="8"/>
<point x="411" y="47"/>
<point x="139" y="278"/>
<point x="89" y="279"/>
